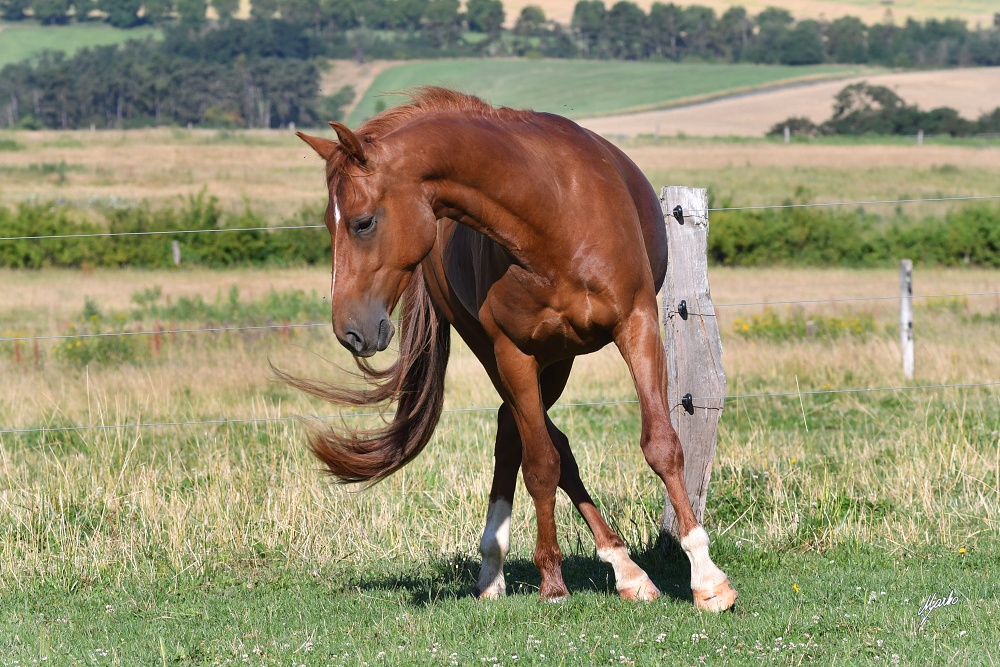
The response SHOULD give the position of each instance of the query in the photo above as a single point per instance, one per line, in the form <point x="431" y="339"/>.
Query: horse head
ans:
<point x="381" y="228"/>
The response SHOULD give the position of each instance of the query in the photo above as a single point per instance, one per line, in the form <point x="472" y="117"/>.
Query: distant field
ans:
<point x="23" y="40"/>
<point x="276" y="174"/>
<point x="868" y="10"/>
<point x="580" y="88"/>
<point x="972" y="92"/>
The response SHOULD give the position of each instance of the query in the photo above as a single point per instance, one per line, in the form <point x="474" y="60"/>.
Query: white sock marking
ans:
<point x="494" y="546"/>
<point x="628" y="575"/>
<point x="705" y="576"/>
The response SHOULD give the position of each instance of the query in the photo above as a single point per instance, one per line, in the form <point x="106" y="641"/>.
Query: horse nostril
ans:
<point x="354" y="340"/>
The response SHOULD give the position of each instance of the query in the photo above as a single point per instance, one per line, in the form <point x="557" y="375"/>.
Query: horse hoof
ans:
<point x="645" y="591"/>
<point x="718" y="599"/>
<point x="494" y="592"/>
<point x="553" y="593"/>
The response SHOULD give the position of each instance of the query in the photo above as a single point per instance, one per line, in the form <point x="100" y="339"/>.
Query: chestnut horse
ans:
<point x="537" y="241"/>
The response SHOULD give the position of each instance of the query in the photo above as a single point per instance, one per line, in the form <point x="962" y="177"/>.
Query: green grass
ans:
<point x="579" y="88"/>
<point x="26" y="39"/>
<point x="835" y="516"/>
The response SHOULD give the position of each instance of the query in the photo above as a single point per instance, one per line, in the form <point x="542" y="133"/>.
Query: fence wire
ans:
<point x="686" y="214"/>
<point x="492" y="408"/>
<point x="307" y="325"/>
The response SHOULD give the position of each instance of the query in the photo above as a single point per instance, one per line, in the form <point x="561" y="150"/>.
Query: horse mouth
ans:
<point x="385" y="333"/>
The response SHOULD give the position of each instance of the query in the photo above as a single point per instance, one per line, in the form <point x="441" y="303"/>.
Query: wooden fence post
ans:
<point x="906" y="316"/>
<point x="696" y="382"/>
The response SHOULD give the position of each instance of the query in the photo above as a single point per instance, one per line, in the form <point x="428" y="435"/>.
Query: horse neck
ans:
<point x="500" y="197"/>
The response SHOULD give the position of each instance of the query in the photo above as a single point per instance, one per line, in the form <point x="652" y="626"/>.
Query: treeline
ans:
<point x="409" y="28"/>
<point x="263" y="72"/>
<point x="789" y="237"/>
<point x="862" y="108"/>
<point x="259" y="75"/>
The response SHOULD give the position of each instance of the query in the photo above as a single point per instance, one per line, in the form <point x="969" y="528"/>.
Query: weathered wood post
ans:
<point x="906" y="316"/>
<point x="696" y="382"/>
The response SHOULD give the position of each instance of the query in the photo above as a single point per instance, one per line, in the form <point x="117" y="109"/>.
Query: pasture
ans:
<point x="276" y="174"/>
<point x="835" y="515"/>
<point x="27" y="39"/>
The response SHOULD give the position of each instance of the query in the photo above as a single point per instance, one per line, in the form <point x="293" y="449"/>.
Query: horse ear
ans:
<point x="349" y="142"/>
<point x="324" y="147"/>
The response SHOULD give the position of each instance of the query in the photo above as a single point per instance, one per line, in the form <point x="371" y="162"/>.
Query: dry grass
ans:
<point x="272" y="169"/>
<point x="276" y="174"/>
<point x="110" y="498"/>
<point x="971" y="91"/>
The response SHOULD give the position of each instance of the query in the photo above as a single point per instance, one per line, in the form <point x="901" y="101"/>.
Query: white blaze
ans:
<point x="336" y="226"/>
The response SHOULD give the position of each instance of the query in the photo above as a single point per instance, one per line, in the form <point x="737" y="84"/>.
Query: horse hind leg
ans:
<point x="638" y="340"/>
<point x="631" y="581"/>
<point x="495" y="542"/>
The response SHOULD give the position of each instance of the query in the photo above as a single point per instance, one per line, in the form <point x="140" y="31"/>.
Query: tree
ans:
<point x="51" y="12"/>
<point x="226" y="9"/>
<point x="443" y="22"/>
<point x="663" y="29"/>
<point x="121" y="13"/>
<point x="263" y="10"/>
<point x="530" y="22"/>
<point x="735" y="28"/>
<point x="157" y="11"/>
<point x="341" y="14"/>
<point x="485" y="16"/>
<point x="773" y="25"/>
<point x="699" y="30"/>
<point x="192" y="12"/>
<point x="624" y="26"/>
<point x="847" y="40"/>
<point x="302" y="12"/>
<point x="13" y="10"/>
<point x="803" y="45"/>
<point x="589" y="23"/>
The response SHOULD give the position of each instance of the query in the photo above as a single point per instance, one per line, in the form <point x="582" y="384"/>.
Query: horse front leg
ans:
<point x="638" y="339"/>
<point x="519" y="374"/>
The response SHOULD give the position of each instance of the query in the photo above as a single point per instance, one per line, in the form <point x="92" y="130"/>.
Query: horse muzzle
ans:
<point x="365" y="341"/>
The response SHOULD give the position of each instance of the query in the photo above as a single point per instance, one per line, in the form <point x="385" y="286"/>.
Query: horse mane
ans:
<point x="424" y="100"/>
<point x="415" y="383"/>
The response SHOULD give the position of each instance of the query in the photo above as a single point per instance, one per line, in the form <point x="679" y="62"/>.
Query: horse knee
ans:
<point x="663" y="452"/>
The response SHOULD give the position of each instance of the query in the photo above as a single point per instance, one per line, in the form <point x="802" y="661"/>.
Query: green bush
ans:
<point x="202" y="212"/>
<point x="830" y="237"/>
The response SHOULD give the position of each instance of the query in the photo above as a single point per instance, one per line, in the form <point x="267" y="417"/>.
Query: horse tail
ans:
<point x="415" y="382"/>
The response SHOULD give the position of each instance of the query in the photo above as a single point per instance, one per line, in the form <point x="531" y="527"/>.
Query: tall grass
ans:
<point x="197" y="544"/>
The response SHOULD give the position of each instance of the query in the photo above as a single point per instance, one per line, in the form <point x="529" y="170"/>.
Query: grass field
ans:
<point x="835" y="516"/>
<point x="276" y="174"/>
<point x="25" y="39"/>
<point x="580" y="88"/>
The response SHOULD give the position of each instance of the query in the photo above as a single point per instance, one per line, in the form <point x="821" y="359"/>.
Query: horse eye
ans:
<point x="364" y="224"/>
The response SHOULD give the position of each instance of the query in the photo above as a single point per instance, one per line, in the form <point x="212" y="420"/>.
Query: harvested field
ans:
<point x="870" y="12"/>
<point x="971" y="91"/>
